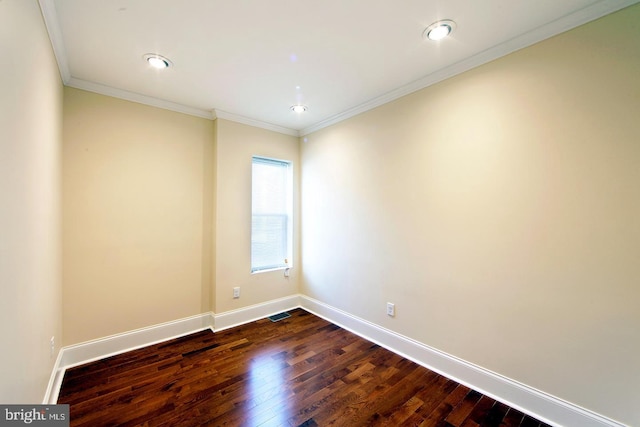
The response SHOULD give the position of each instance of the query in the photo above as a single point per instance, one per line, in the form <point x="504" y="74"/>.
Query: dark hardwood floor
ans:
<point x="300" y="371"/>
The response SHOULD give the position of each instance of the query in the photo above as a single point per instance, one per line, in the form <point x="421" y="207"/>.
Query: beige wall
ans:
<point x="156" y="210"/>
<point x="499" y="211"/>
<point x="137" y="215"/>
<point x="211" y="214"/>
<point x="30" y="247"/>
<point x="236" y="144"/>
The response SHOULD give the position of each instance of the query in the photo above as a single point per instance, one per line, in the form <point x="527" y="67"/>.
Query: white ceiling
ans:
<point x="250" y="60"/>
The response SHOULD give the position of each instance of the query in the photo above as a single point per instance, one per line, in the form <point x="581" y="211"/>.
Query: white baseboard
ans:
<point x="545" y="407"/>
<point x="79" y="354"/>
<point x="55" y="382"/>
<point x="115" y="344"/>
<point x="90" y="351"/>
<point x="232" y="318"/>
<point x="540" y="405"/>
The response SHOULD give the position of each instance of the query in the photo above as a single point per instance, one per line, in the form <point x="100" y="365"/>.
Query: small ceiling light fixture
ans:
<point x="439" y="30"/>
<point x="157" y="61"/>
<point x="299" y="108"/>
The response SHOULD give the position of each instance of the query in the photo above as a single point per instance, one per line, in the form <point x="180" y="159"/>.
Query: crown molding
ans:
<point x="173" y="106"/>
<point x="140" y="99"/>
<point x="255" y="123"/>
<point x="560" y="25"/>
<point x="50" y="16"/>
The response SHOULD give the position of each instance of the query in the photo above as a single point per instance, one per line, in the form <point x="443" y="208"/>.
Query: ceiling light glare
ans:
<point x="298" y="108"/>
<point x="158" y="62"/>
<point x="439" y="30"/>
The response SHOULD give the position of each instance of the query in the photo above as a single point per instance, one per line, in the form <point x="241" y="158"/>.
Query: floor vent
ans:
<point x="279" y="316"/>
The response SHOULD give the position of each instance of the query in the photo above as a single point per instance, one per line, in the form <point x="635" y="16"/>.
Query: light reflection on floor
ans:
<point x="267" y="390"/>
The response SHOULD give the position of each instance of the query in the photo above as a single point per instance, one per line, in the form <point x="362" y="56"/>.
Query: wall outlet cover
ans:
<point x="391" y="309"/>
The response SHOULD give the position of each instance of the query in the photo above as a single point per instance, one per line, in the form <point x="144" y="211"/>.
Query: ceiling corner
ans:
<point x="219" y="114"/>
<point x="50" y="16"/>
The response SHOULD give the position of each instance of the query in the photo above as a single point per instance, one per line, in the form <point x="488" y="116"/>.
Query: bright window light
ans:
<point x="271" y="214"/>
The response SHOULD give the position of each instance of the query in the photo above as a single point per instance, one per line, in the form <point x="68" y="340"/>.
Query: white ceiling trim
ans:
<point x="539" y="34"/>
<point x="141" y="99"/>
<point x="52" y="23"/>
<point x="173" y="106"/>
<point x="255" y="123"/>
<point x="560" y="25"/>
<point x="50" y="16"/>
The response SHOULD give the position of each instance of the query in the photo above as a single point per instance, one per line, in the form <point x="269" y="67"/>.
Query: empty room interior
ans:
<point x="476" y="211"/>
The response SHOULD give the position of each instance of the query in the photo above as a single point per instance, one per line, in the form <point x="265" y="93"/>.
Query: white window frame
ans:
<point x="287" y="261"/>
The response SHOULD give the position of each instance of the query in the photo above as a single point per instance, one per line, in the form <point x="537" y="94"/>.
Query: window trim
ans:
<point x="289" y="214"/>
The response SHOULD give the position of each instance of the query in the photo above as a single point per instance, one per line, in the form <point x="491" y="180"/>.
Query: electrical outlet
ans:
<point x="391" y="309"/>
<point x="236" y="292"/>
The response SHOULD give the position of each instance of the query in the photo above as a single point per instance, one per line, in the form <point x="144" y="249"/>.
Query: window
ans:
<point x="271" y="214"/>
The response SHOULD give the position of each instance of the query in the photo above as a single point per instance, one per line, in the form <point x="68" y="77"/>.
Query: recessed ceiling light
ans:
<point x="439" y="30"/>
<point x="298" y="108"/>
<point x="157" y="61"/>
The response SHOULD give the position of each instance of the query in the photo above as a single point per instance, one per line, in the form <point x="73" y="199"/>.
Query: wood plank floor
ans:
<point x="300" y="371"/>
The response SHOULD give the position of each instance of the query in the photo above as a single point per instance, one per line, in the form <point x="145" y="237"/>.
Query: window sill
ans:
<point x="270" y="270"/>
